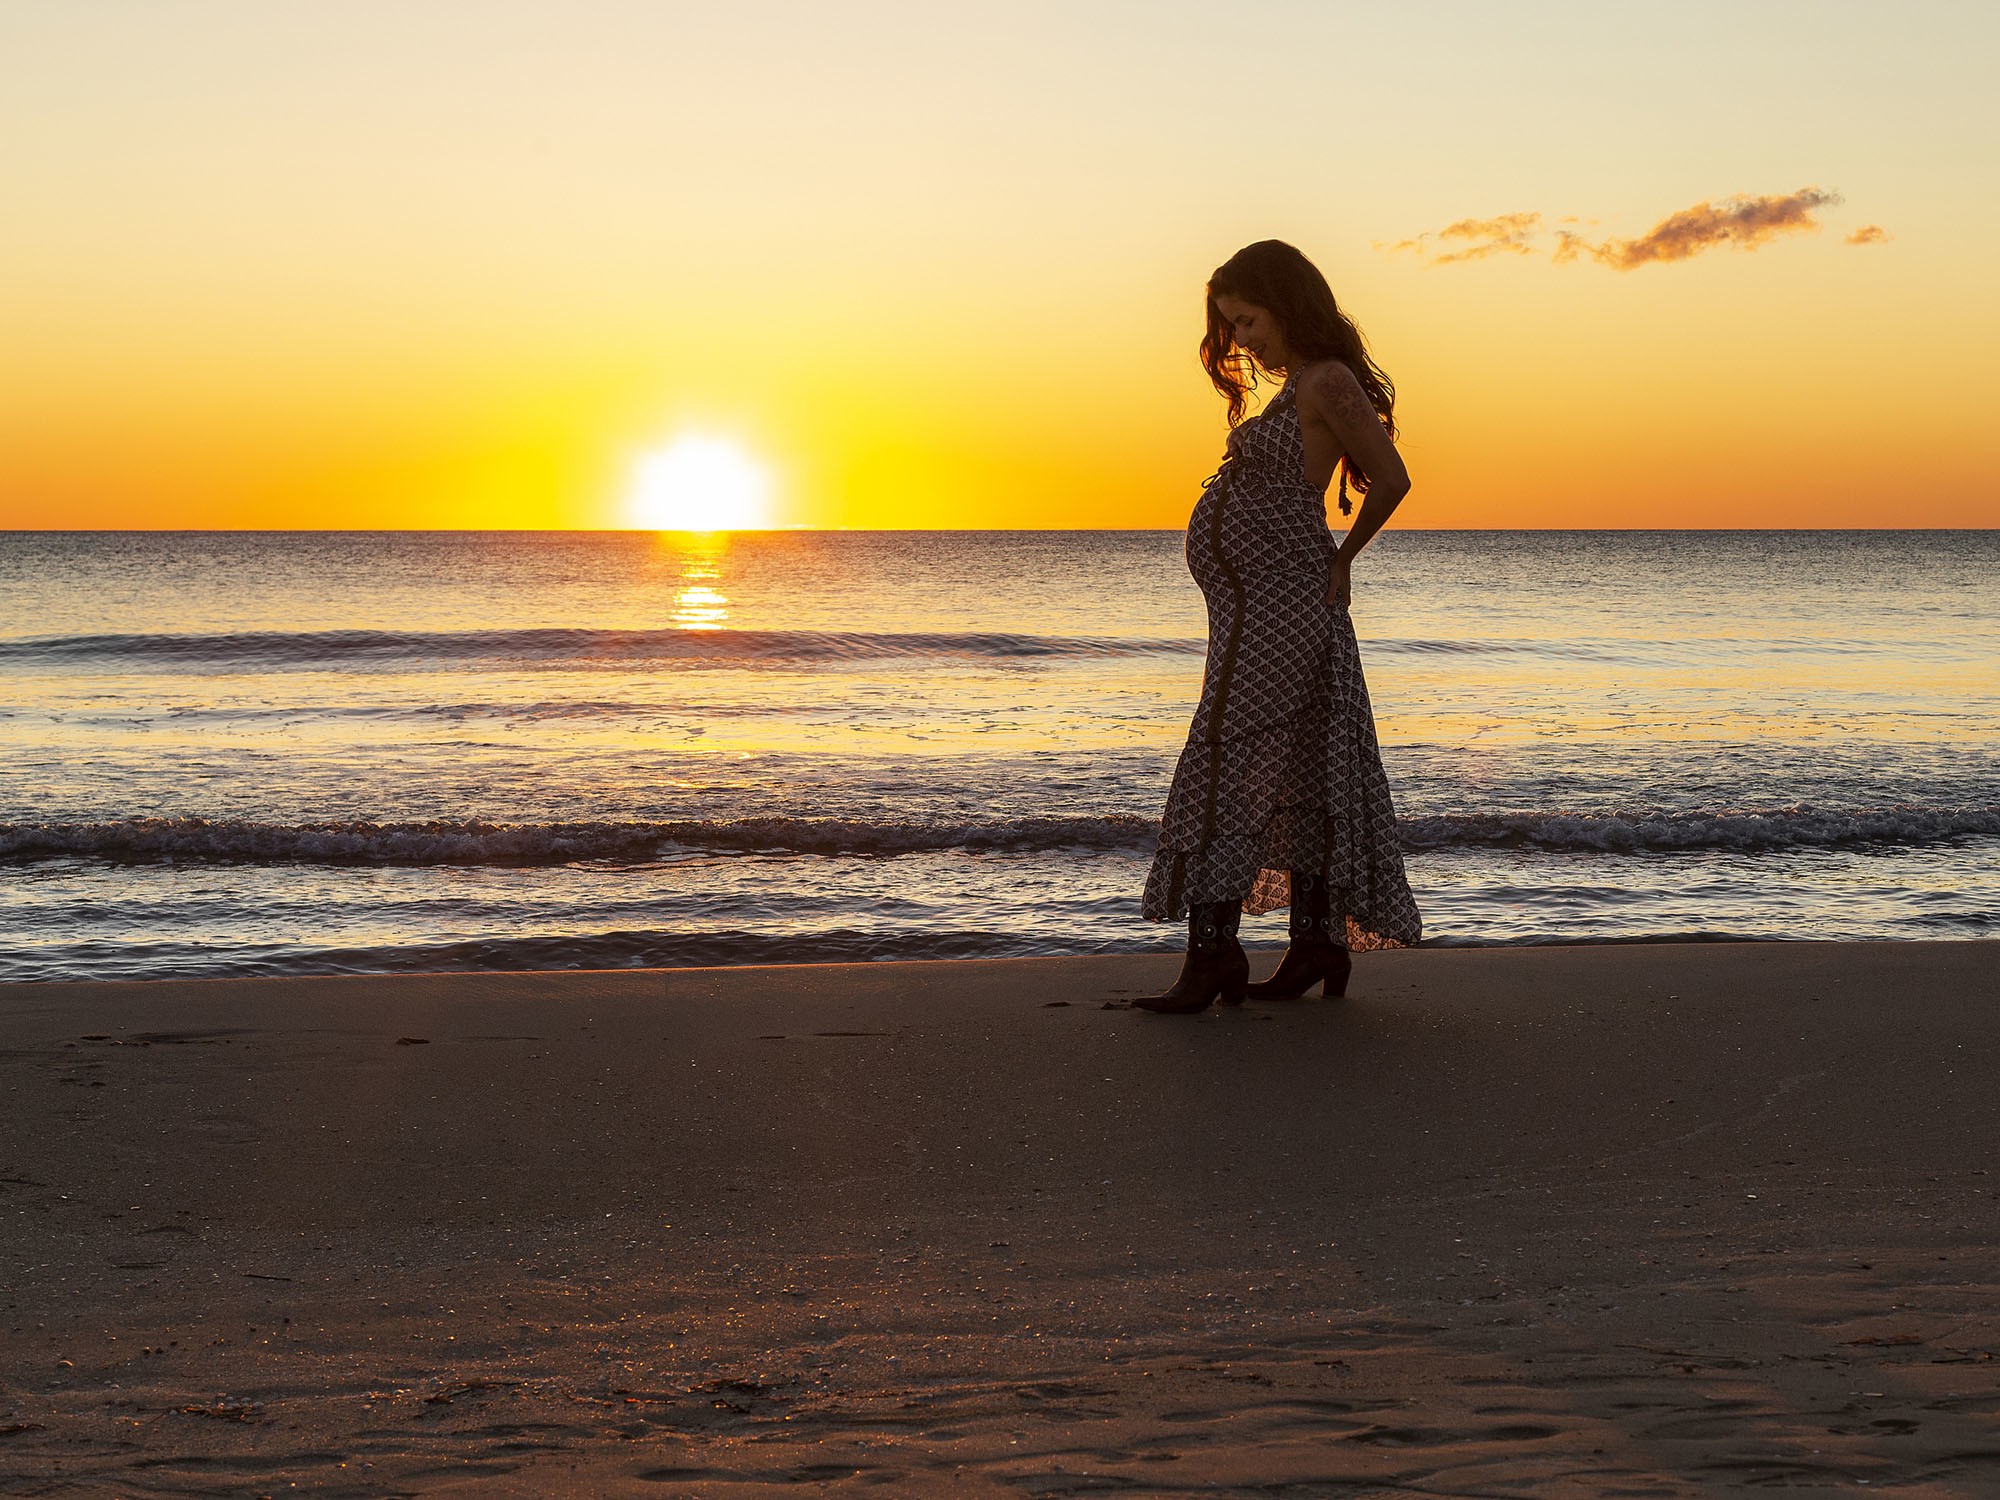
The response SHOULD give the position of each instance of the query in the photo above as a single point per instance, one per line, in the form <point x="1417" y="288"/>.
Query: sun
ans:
<point x="700" y="484"/>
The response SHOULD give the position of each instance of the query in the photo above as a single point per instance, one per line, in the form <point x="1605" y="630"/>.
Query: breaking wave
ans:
<point x="362" y="650"/>
<point x="1748" y="830"/>
<point x="339" y="649"/>
<point x="529" y="845"/>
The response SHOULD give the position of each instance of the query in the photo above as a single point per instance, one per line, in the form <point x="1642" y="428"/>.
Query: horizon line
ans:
<point x="885" y="530"/>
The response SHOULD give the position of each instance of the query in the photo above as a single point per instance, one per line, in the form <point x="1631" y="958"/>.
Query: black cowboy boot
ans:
<point x="1317" y="953"/>
<point x="1215" y="968"/>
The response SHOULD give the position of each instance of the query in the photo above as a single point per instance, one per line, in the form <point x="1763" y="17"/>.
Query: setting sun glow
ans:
<point x="700" y="484"/>
<point x="261" y="308"/>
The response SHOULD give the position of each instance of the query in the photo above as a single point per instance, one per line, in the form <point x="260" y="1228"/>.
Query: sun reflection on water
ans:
<point x="699" y="604"/>
<point x="700" y="608"/>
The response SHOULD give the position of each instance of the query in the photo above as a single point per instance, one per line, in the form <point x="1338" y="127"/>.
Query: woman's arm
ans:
<point x="1332" y="396"/>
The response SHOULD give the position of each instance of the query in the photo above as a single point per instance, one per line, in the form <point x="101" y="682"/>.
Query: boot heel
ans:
<point x="1335" y="987"/>
<point x="1304" y="967"/>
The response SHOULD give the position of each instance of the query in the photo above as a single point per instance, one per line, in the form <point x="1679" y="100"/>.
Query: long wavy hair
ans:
<point x="1276" y="277"/>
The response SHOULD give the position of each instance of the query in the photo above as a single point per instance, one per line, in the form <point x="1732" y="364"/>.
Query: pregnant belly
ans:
<point x="1274" y="533"/>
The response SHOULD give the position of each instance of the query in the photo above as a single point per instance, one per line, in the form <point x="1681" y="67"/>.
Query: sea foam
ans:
<point x="528" y="845"/>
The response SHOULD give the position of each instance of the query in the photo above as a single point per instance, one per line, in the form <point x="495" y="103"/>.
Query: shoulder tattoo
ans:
<point x="1337" y="389"/>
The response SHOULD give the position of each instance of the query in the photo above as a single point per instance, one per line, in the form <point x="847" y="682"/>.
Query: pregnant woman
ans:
<point x="1279" y="797"/>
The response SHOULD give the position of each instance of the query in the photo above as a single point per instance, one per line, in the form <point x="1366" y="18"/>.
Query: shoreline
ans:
<point x="1677" y="1220"/>
<point x="1270" y="948"/>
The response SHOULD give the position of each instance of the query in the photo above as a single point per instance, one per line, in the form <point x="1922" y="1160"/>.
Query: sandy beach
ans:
<point x="1628" y="1220"/>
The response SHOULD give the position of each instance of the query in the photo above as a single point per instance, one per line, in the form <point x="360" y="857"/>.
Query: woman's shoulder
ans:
<point x="1327" y="384"/>
<point x="1321" y="373"/>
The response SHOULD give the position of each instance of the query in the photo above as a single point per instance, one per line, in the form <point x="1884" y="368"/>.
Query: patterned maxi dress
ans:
<point x="1281" y="769"/>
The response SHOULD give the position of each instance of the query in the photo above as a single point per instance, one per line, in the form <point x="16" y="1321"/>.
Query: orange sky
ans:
<point x="465" y="266"/>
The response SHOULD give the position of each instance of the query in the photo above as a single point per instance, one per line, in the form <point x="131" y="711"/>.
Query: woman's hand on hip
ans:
<point x="1337" y="583"/>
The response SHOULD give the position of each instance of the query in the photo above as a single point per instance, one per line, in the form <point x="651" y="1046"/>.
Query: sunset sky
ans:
<point x="280" y="264"/>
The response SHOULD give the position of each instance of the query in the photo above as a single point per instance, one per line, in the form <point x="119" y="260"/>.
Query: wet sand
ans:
<point x="1632" y="1221"/>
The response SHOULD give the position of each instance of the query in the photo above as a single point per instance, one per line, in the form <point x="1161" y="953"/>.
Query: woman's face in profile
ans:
<point x="1255" y="331"/>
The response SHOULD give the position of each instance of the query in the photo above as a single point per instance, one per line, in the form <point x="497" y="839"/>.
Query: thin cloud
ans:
<point x="1869" y="234"/>
<point x="1744" y="222"/>
<point x="1510" y="234"/>
<point x="1569" y="245"/>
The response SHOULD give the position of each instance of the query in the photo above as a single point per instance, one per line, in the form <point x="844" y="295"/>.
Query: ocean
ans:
<point x="293" y="753"/>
